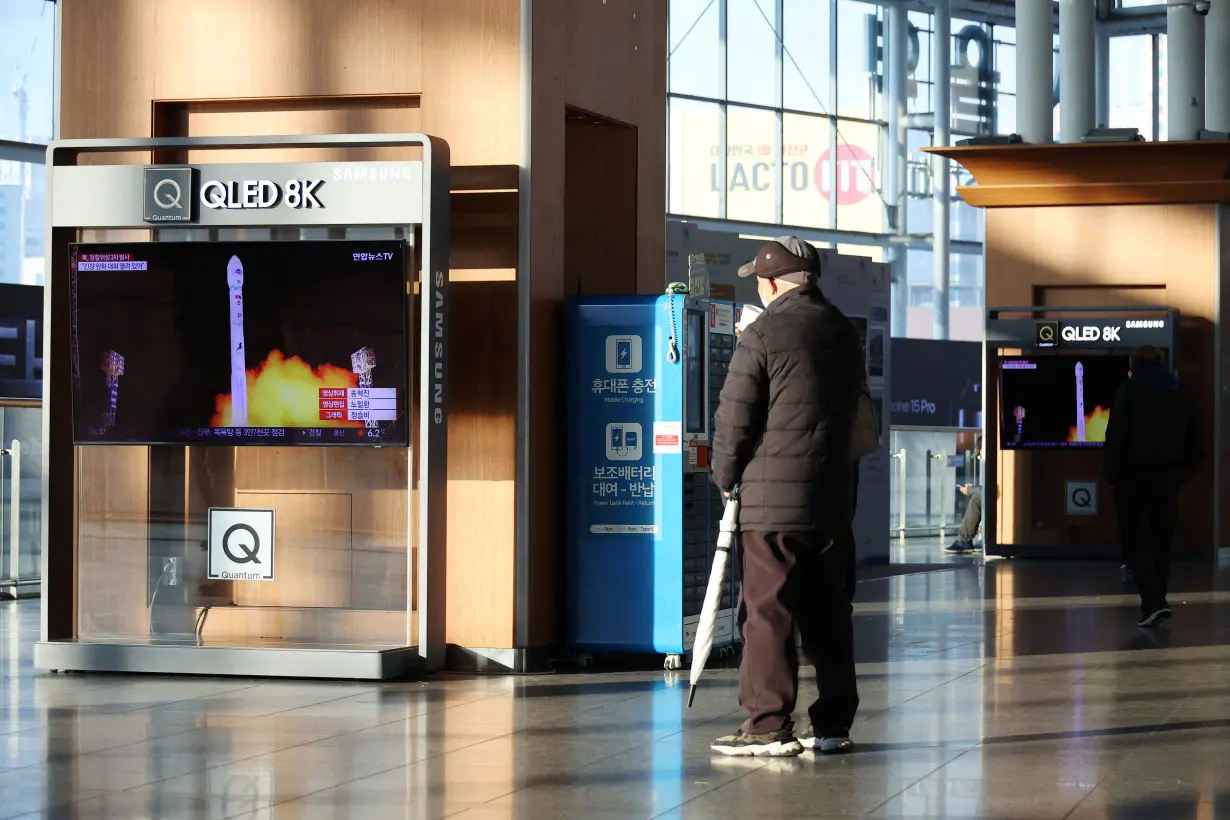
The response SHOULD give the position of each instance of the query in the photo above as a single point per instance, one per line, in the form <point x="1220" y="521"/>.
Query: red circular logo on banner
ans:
<point x="856" y="174"/>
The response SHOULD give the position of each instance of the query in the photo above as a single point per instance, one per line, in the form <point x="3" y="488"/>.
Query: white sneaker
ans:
<point x="781" y="743"/>
<point x="825" y="745"/>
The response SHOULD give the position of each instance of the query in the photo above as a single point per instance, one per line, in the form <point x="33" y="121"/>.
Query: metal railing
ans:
<point x="14" y="456"/>
<point x="925" y="501"/>
<point x="19" y="544"/>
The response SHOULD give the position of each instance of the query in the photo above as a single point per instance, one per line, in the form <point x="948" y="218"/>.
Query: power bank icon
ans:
<point x="623" y="442"/>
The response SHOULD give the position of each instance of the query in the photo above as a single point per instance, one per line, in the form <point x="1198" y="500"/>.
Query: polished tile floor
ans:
<point x="990" y="690"/>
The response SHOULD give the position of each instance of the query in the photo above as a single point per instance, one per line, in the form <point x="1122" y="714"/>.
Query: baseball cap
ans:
<point x="787" y="257"/>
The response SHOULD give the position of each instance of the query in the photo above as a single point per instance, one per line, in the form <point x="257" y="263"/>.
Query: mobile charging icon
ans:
<point x="623" y="354"/>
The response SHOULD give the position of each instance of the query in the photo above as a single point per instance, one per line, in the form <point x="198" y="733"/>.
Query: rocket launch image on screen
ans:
<point x="1058" y="401"/>
<point x="240" y="343"/>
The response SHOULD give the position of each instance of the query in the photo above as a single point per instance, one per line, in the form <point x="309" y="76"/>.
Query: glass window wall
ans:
<point x="784" y="123"/>
<point x="27" y="124"/>
<point x="777" y="116"/>
<point x="27" y="48"/>
<point x="806" y="55"/>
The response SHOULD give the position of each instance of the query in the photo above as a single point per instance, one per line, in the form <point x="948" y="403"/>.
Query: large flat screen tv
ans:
<point x="1057" y="401"/>
<point x="229" y="343"/>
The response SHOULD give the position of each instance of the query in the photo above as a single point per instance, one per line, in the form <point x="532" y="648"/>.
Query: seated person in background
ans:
<point x="973" y="514"/>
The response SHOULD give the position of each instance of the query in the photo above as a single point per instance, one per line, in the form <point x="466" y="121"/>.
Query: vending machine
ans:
<point x="723" y="318"/>
<point x="644" y="374"/>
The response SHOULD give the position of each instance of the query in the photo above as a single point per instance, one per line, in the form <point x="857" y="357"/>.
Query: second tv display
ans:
<point x="1058" y="401"/>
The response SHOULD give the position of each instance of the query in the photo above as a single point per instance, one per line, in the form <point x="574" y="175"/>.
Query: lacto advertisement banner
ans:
<point x="811" y="173"/>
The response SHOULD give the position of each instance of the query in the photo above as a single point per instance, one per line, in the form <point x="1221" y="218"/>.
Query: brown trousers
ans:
<point x="796" y="580"/>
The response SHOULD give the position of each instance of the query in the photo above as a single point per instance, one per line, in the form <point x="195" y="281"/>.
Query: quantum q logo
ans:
<point x="168" y="194"/>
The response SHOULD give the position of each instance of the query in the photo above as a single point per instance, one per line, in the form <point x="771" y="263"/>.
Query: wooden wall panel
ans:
<point x="384" y="114"/>
<point x="281" y="48"/>
<point x="113" y="530"/>
<point x="273" y="626"/>
<point x="1116" y="255"/>
<point x="1220" y="434"/>
<point x="616" y="67"/>
<point x="105" y="90"/>
<point x="459" y="60"/>
<point x="482" y="463"/>
<point x="462" y="60"/>
<point x="471" y="64"/>
<point x="480" y="580"/>
<point x="313" y="551"/>
<point x="600" y="208"/>
<point x="608" y="59"/>
<point x="462" y="57"/>
<point x="547" y="294"/>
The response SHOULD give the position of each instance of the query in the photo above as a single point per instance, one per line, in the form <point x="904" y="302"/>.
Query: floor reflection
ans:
<point x="991" y="689"/>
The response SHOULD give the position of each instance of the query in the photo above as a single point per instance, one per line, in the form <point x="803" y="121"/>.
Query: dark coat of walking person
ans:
<point x="782" y="434"/>
<point x="1153" y="446"/>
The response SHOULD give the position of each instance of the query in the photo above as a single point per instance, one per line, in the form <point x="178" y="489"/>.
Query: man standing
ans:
<point x="782" y="434"/>
<point x="1153" y="446"/>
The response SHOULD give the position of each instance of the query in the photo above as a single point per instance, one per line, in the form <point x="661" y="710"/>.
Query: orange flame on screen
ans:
<point x="285" y="392"/>
<point x="1095" y="425"/>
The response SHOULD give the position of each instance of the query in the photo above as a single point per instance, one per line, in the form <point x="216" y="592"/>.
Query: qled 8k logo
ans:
<point x="1091" y="333"/>
<point x="261" y="193"/>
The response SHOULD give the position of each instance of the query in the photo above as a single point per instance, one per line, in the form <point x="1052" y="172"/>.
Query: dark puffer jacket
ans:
<point x="785" y="418"/>
<point x="1154" y="431"/>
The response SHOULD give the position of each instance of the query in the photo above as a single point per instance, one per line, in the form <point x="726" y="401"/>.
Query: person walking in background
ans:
<point x="971" y="522"/>
<point x="782" y="434"/>
<point x="1153" y="446"/>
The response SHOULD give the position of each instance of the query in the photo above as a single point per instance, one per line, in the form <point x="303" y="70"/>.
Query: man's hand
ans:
<point x="965" y="490"/>
<point x="725" y="495"/>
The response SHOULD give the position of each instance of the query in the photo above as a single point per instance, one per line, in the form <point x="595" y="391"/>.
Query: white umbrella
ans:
<point x="713" y="595"/>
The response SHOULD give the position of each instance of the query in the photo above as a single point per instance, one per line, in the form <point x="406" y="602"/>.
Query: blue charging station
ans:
<point x="644" y="373"/>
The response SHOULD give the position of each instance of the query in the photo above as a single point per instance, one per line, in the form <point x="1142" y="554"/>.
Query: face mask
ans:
<point x="765" y="294"/>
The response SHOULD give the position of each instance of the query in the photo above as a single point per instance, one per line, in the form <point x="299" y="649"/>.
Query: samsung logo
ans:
<point x="1145" y="324"/>
<point x="437" y="348"/>
<point x="374" y="173"/>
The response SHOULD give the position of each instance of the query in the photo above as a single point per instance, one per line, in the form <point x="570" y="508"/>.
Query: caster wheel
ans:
<point x="673" y="662"/>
